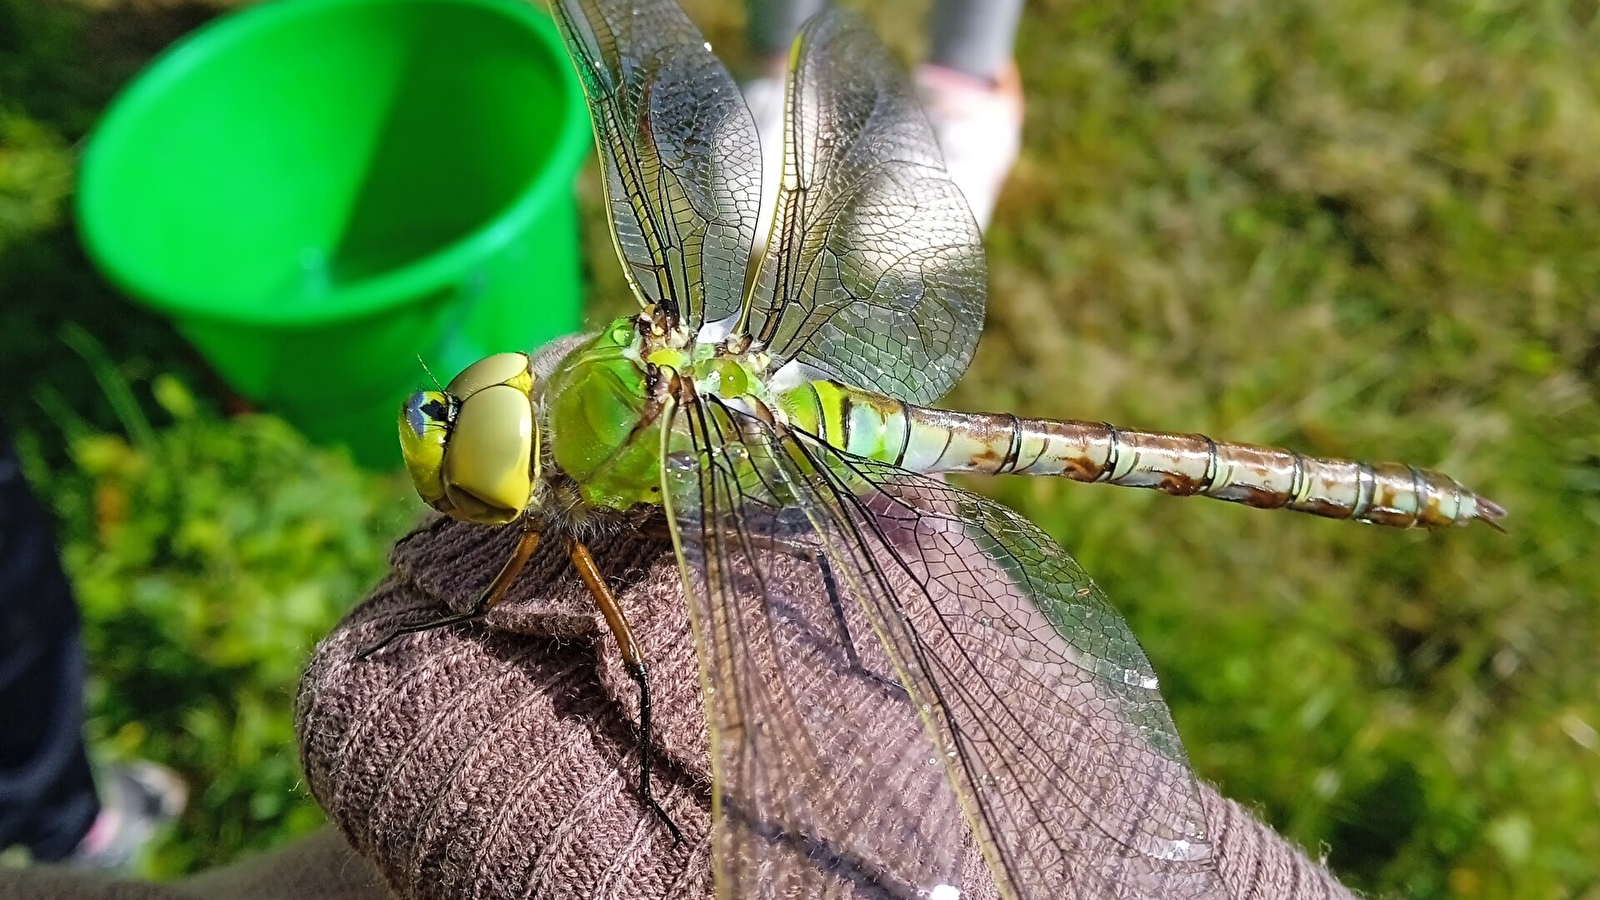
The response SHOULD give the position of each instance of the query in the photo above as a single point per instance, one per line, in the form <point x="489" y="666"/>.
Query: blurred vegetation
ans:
<point x="208" y="553"/>
<point x="208" y="556"/>
<point x="1350" y="227"/>
<point x="1360" y="229"/>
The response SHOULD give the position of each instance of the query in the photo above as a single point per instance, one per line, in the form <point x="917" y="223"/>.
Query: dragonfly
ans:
<point x="897" y="673"/>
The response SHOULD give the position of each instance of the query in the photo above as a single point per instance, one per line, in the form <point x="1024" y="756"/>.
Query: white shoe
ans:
<point x="979" y="128"/>
<point x="138" y="800"/>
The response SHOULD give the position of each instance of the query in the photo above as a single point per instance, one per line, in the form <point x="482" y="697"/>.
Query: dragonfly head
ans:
<point x="473" y="448"/>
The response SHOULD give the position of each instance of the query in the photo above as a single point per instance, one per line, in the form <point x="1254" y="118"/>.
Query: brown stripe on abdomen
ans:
<point x="930" y="440"/>
<point x="1390" y="494"/>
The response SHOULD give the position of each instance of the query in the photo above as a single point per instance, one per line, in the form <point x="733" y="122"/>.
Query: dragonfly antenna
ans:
<point x="430" y="373"/>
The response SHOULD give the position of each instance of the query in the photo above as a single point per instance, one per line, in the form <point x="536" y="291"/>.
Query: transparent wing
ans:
<point x="826" y="783"/>
<point x="926" y="609"/>
<point x="874" y="271"/>
<point x="679" y="151"/>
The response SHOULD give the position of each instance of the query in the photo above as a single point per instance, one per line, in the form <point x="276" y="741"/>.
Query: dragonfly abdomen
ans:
<point x="930" y="440"/>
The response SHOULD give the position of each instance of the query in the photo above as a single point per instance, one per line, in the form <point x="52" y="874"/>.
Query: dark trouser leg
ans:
<point x="973" y="36"/>
<point x="47" y="796"/>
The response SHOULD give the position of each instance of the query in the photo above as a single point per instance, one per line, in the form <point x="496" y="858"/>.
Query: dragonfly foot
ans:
<point x="404" y="630"/>
<point x="672" y="827"/>
<point x="641" y="677"/>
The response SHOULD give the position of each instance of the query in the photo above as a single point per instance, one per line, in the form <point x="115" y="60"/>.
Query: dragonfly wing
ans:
<point x="825" y="783"/>
<point x="1067" y="753"/>
<point x="1037" y="709"/>
<point x="874" y="271"/>
<point x="678" y="149"/>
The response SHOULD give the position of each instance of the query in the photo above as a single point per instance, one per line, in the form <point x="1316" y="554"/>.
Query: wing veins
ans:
<point x="676" y="147"/>
<point x="858" y="866"/>
<point x="810" y="847"/>
<point x="1019" y="784"/>
<point x="919" y="648"/>
<point x="862" y="172"/>
<point x="961" y="685"/>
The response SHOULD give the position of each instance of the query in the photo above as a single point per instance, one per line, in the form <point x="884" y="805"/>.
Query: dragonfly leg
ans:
<point x="432" y="528"/>
<point x="836" y="604"/>
<point x="493" y="594"/>
<point x="830" y="586"/>
<point x="632" y="660"/>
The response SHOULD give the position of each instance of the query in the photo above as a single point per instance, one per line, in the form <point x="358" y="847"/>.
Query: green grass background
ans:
<point x="1351" y="227"/>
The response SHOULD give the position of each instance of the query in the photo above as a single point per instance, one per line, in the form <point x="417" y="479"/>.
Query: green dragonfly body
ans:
<point x="604" y="422"/>
<point x="784" y="420"/>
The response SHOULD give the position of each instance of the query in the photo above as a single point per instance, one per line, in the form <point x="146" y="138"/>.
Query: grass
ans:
<point x="208" y="553"/>
<point x="1350" y="227"/>
<point x="1358" y="230"/>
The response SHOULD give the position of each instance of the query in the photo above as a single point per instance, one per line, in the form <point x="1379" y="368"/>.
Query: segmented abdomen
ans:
<point x="925" y="439"/>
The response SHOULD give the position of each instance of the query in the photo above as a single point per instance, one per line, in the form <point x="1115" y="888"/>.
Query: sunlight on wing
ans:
<point x="826" y="782"/>
<point x="1038" y="712"/>
<point x="874" y="272"/>
<point x="679" y="151"/>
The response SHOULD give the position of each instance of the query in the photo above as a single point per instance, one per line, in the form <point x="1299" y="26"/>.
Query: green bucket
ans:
<point x="321" y="192"/>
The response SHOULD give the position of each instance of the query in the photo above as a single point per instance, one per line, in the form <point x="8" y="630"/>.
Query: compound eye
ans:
<point x="487" y="472"/>
<point x="425" y="420"/>
<point x="502" y="368"/>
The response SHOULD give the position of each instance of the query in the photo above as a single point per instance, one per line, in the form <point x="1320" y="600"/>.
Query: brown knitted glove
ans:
<point x="499" y="760"/>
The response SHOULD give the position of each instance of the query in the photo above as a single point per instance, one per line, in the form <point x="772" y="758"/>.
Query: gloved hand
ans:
<point x="500" y="759"/>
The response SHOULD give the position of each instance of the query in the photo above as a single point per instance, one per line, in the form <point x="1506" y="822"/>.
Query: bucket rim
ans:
<point x="366" y="296"/>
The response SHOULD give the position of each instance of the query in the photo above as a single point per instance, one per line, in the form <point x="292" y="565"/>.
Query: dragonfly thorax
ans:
<point x="607" y="404"/>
